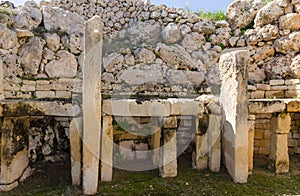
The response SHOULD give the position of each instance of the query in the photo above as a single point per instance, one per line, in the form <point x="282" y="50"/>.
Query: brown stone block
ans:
<point x="293" y="142"/>
<point x="259" y="134"/>
<point x="262" y="126"/>
<point x="291" y="94"/>
<point x="281" y="123"/>
<point x="279" y="88"/>
<point x="263" y="87"/>
<point x="267" y="134"/>
<point x="293" y="106"/>
<point x="257" y="95"/>
<point x="274" y="94"/>
<point x="264" y="151"/>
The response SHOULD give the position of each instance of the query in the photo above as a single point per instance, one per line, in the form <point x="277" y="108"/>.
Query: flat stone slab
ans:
<point x="152" y="107"/>
<point x="15" y="108"/>
<point x="259" y="106"/>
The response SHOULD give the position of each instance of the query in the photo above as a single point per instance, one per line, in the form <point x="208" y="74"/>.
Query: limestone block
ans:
<point x="64" y="67"/>
<point x="31" y="55"/>
<point x="133" y="107"/>
<point x="295" y="67"/>
<point x="44" y="94"/>
<point x="8" y="38"/>
<point x="290" y="21"/>
<point x="276" y="82"/>
<point x="185" y="107"/>
<point x="52" y="41"/>
<point x="171" y="33"/>
<point x="274" y="94"/>
<point x="106" y="149"/>
<point x="268" y="14"/>
<point x="9" y="187"/>
<point x="214" y="142"/>
<point x="293" y="106"/>
<point x="288" y="43"/>
<point x="28" y="17"/>
<point x="168" y="157"/>
<point x="193" y="41"/>
<point x="279" y="157"/>
<point x="265" y="107"/>
<point x="91" y="103"/>
<point x="251" y="135"/>
<point x="233" y="71"/>
<point x="144" y="56"/>
<point x="170" y="122"/>
<point x="75" y="148"/>
<point x="14" y="149"/>
<point x="155" y="140"/>
<point x="281" y="123"/>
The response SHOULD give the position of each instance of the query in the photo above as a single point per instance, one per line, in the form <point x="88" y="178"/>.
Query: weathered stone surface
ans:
<point x="200" y="157"/>
<point x="251" y="124"/>
<point x="185" y="107"/>
<point x="205" y="27"/>
<point x="175" y="55"/>
<point x="14" y="151"/>
<point x="214" y="142"/>
<point x="264" y="52"/>
<point x="110" y="61"/>
<point x="281" y="123"/>
<point x="144" y="56"/>
<point x="279" y="157"/>
<point x="65" y="66"/>
<point x="240" y="13"/>
<point x="293" y="106"/>
<point x="107" y="144"/>
<point x="52" y="40"/>
<point x="295" y="66"/>
<point x="171" y="33"/>
<point x="31" y="55"/>
<point x="38" y="108"/>
<point x="91" y="104"/>
<point x="233" y="71"/>
<point x="141" y="74"/>
<point x="193" y="41"/>
<point x="265" y="33"/>
<point x="185" y="78"/>
<point x="28" y="16"/>
<point x="168" y="158"/>
<point x="268" y="14"/>
<point x="290" y="21"/>
<point x="266" y="106"/>
<point x="75" y="148"/>
<point x="132" y="107"/>
<point x="8" y="38"/>
<point x="59" y="19"/>
<point x="155" y="140"/>
<point x="9" y="187"/>
<point x="288" y="44"/>
<point x="170" y="122"/>
<point x="277" y="67"/>
<point x="23" y="33"/>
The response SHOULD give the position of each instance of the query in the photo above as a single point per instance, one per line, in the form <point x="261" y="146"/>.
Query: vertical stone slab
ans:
<point x="250" y="145"/>
<point x="107" y="149"/>
<point x="75" y="148"/>
<point x="278" y="156"/>
<point x="168" y="164"/>
<point x="200" y="156"/>
<point x="233" y="99"/>
<point x="14" y="151"/>
<point x="1" y="79"/>
<point x="91" y="104"/>
<point x="214" y="142"/>
<point x="155" y="138"/>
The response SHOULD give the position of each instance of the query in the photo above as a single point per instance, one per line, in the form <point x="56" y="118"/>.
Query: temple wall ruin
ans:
<point x="148" y="51"/>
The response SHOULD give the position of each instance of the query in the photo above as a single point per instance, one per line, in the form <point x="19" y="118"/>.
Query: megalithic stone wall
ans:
<point x="233" y="99"/>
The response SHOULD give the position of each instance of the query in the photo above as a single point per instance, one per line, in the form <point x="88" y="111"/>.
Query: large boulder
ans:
<point x="193" y="41"/>
<point x="171" y="33"/>
<point x="268" y="14"/>
<point x="31" y="55"/>
<point x="295" y="66"/>
<point x="290" y="21"/>
<point x="241" y="13"/>
<point x="64" y="67"/>
<point x="28" y="16"/>
<point x="288" y="44"/>
<point x="8" y="38"/>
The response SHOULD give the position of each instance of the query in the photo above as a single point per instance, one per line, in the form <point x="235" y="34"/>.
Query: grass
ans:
<point x="215" y="16"/>
<point x="51" y="180"/>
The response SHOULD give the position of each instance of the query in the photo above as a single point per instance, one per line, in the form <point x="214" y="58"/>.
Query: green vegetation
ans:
<point x="6" y="11"/>
<point x="216" y="16"/>
<point x="267" y="1"/>
<point x="249" y="26"/>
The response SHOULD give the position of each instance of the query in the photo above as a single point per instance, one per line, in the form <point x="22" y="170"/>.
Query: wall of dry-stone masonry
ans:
<point x="262" y="135"/>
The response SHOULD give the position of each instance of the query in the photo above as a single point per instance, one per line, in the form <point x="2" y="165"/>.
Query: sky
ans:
<point x="194" y="5"/>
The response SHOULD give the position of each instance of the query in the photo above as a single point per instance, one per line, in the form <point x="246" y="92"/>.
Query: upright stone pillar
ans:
<point x="1" y="79"/>
<point x="200" y="159"/>
<point x="91" y="104"/>
<point x="75" y="148"/>
<point x="107" y="149"/>
<point x="233" y="99"/>
<point x="278" y="156"/>
<point x="251" y="124"/>
<point x="168" y="164"/>
<point x="155" y="138"/>
<point x="214" y="143"/>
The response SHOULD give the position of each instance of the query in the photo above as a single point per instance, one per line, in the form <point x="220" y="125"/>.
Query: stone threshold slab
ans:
<point x="152" y="107"/>
<point x="263" y="106"/>
<point x="15" y="108"/>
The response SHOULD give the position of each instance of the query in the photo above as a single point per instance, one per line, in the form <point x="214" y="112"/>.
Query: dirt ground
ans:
<point x="54" y="179"/>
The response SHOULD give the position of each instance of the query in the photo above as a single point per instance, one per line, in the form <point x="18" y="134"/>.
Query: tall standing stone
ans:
<point x="233" y="99"/>
<point x="107" y="144"/>
<point x="278" y="156"/>
<point x="214" y="142"/>
<point x="251" y="124"/>
<point x="200" y="159"/>
<point x="75" y="147"/>
<point x="92" y="104"/>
